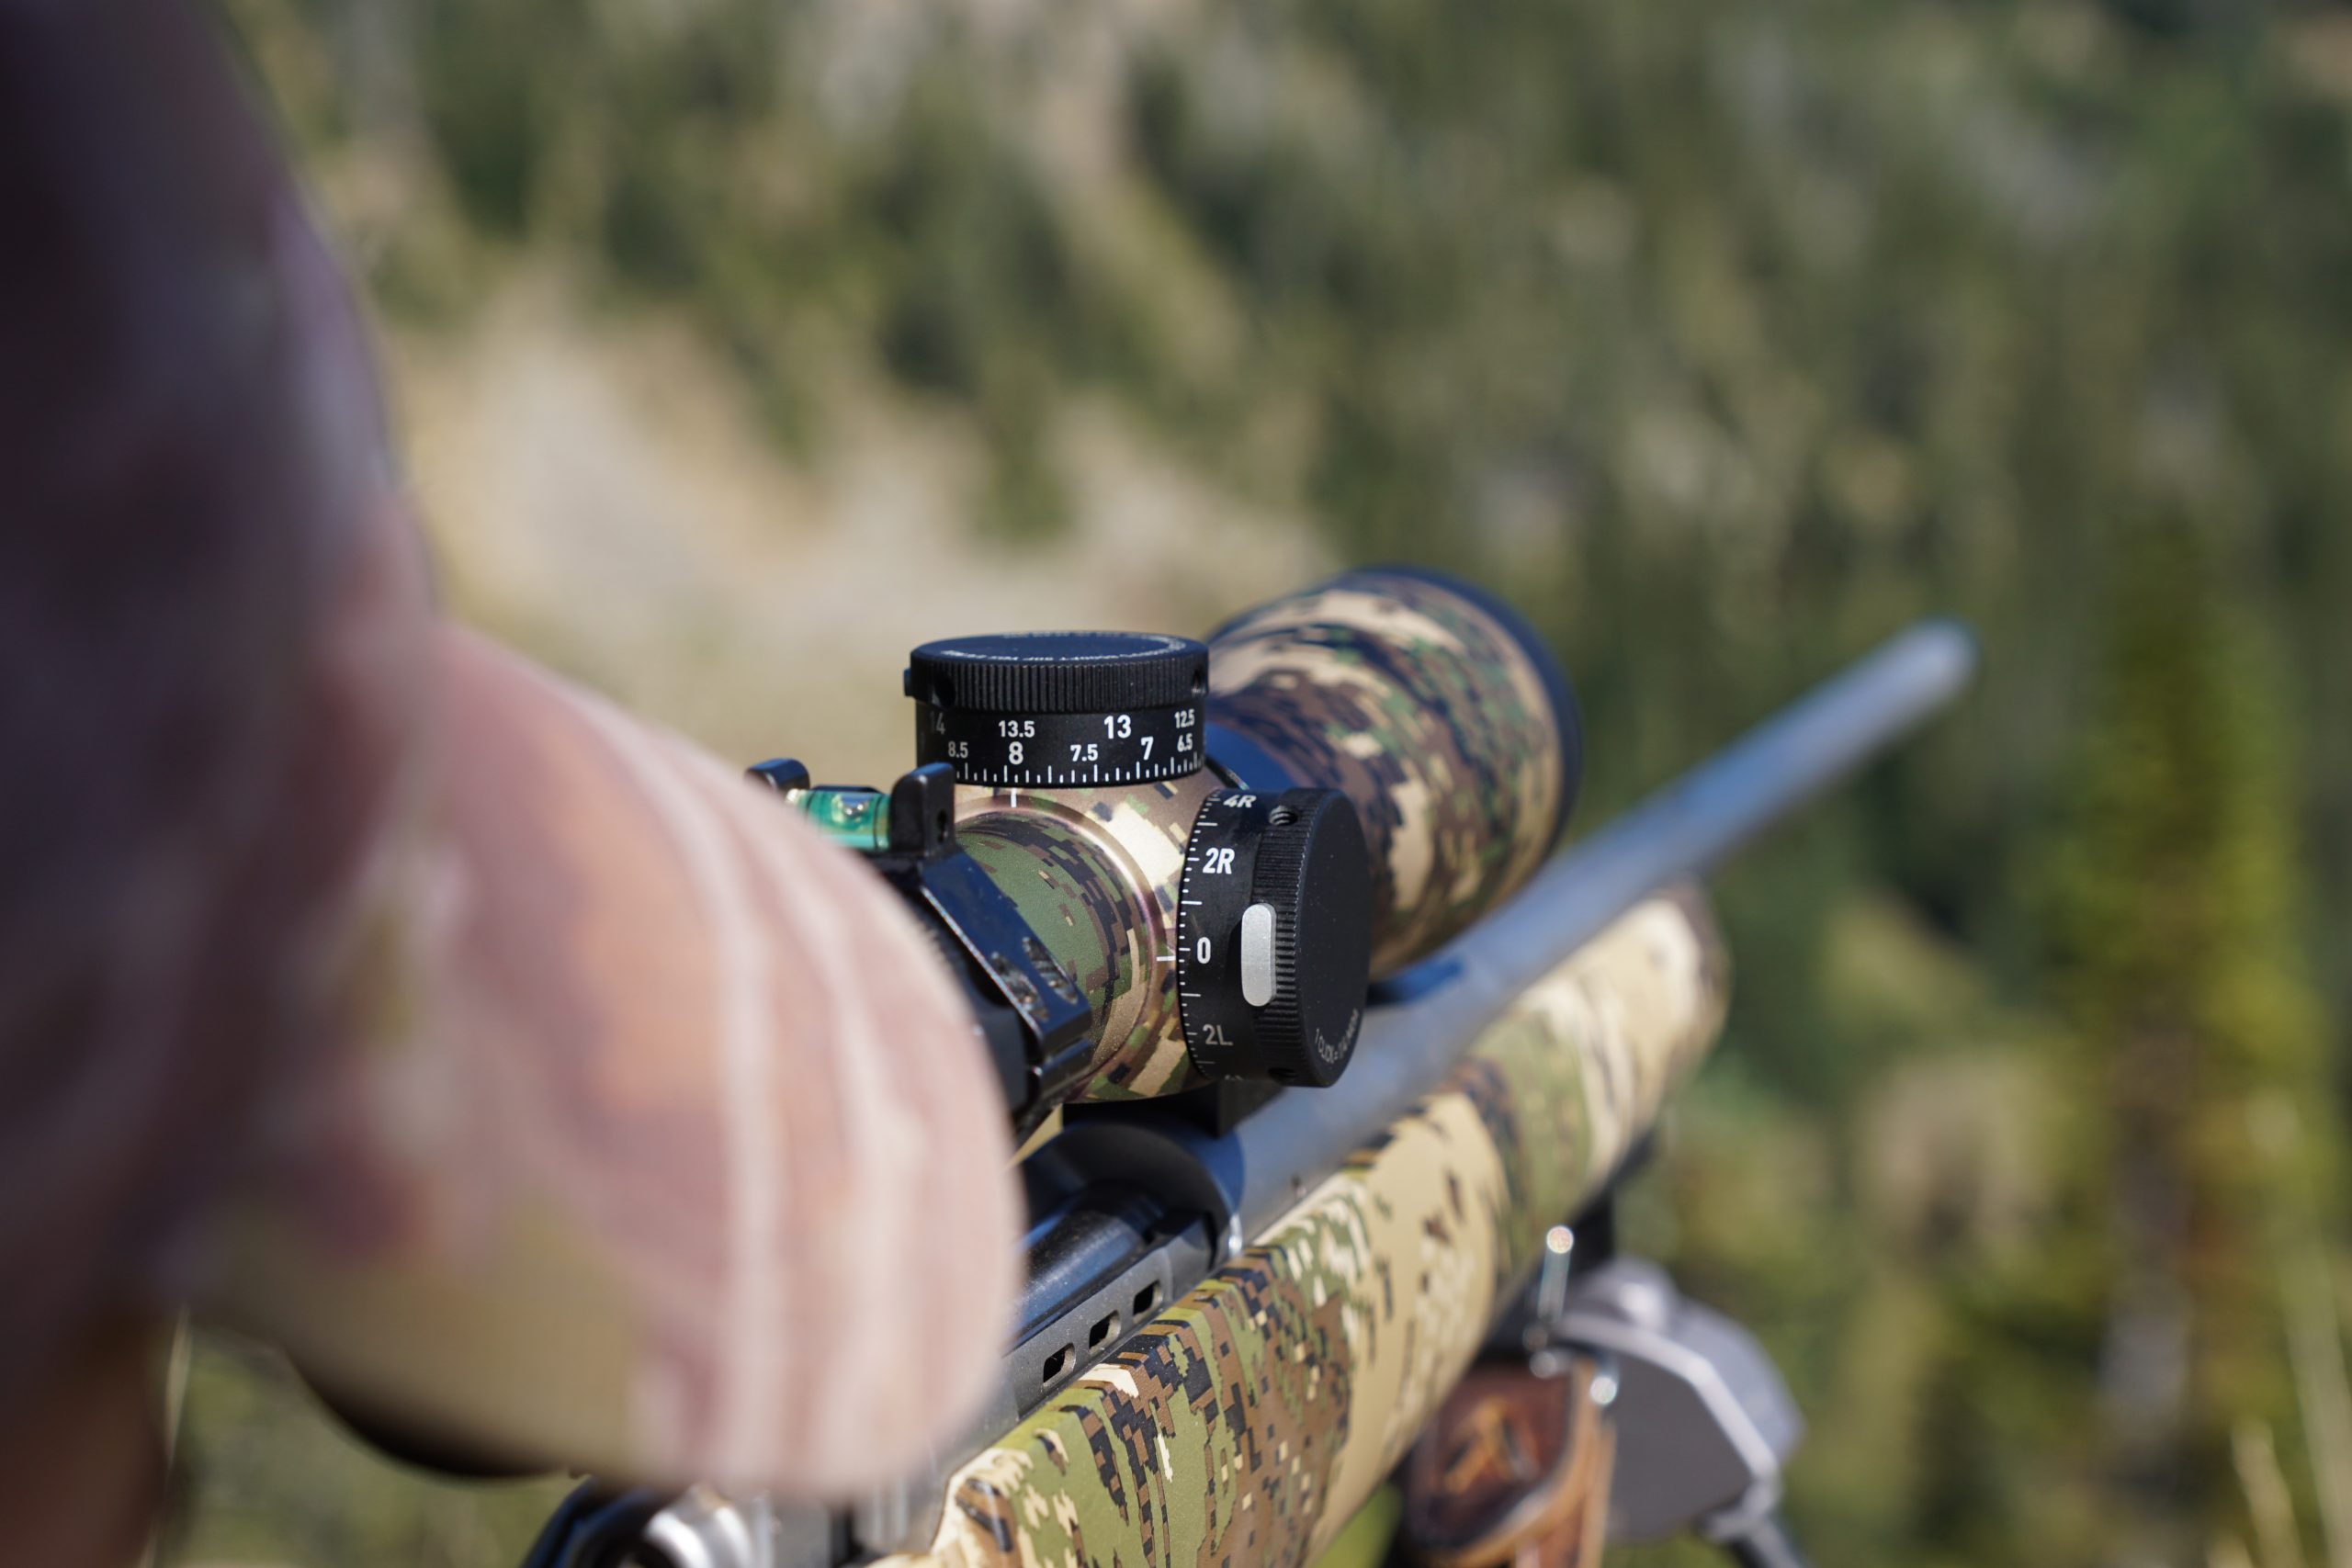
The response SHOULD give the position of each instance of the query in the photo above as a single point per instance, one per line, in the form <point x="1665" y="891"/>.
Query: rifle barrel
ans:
<point x="1681" y="831"/>
<point x="1219" y="1191"/>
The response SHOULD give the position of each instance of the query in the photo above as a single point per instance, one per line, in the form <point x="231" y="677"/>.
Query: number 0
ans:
<point x="1200" y="950"/>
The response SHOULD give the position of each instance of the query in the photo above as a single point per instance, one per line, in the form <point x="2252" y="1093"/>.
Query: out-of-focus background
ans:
<point x="737" y="345"/>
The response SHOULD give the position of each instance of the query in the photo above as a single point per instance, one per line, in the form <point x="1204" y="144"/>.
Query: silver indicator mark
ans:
<point x="1258" y="955"/>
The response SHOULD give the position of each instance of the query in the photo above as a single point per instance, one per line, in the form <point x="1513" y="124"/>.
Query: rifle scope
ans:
<point x="1159" y="863"/>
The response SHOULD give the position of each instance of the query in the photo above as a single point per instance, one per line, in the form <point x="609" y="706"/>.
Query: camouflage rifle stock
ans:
<point x="1247" y="1423"/>
<point x="1234" y="1332"/>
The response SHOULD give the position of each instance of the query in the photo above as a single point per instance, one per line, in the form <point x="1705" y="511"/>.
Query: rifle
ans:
<point x="1326" y="1078"/>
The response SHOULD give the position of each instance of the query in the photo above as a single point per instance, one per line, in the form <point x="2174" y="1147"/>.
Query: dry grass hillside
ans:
<point x="600" y="493"/>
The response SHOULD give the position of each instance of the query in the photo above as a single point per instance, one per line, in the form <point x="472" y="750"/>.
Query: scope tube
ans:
<point x="1431" y="707"/>
<point x="1079" y="891"/>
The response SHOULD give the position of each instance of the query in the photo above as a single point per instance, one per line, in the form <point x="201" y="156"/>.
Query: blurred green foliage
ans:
<point x="280" y="1480"/>
<point x="1724" y="338"/>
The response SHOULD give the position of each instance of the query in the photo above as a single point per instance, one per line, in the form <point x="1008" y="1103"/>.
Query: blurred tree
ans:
<point x="2179" y="959"/>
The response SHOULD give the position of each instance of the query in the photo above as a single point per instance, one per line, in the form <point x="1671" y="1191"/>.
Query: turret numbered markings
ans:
<point x="1063" y="750"/>
<point x="1210" y="908"/>
<point x="1274" y="935"/>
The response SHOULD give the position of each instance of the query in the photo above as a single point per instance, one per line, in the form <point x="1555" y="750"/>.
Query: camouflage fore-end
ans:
<point x="1434" y="709"/>
<point x="1245" y="1424"/>
<point x="1095" y="872"/>
<point x="1576" y="1073"/>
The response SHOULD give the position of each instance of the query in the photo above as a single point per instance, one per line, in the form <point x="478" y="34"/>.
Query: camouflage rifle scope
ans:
<point x="1159" y="864"/>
